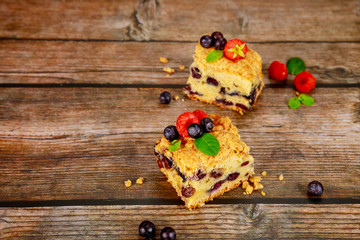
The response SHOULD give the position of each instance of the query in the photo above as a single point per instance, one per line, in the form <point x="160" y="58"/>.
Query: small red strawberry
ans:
<point x="278" y="71"/>
<point x="304" y="82"/>
<point x="184" y="121"/>
<point x="235" y="49"/>
<point x="200" y="114"/>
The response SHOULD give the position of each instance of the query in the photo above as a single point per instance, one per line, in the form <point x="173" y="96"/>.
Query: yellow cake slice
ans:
<point x="229" y="84"/>
<point x="197" y="177"/>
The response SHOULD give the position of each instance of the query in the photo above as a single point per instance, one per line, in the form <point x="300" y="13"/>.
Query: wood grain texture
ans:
<point x="245" y="221"/>
<point x="83" y="143"/>
<point x="169" y="20"/>
<point x="47" y="62"/>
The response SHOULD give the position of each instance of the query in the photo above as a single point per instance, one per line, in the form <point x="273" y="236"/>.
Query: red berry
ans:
<point x="304" y="82"/>
<point x="200" y="114"/>
<point x="184" y="121"/>
<point x="278" y="71"/>
<point x="235" y="49"/>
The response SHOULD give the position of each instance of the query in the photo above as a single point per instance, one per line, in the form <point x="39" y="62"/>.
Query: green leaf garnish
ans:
<point x="294" y="102"/>
<point x="174" y="145"/>
<point x="295" y="65"/>
<point x="208" y="144"/>
<point x="214" y="55"/>
<point x="306" y="100"/>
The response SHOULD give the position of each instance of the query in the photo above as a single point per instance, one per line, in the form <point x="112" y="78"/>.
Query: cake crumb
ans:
<point x="164" y="60"/>
<point x="182" y="100"/>
<point x="167" y="75"/>
<point x="258" y="186"/>
<point x="249" y="189"/>
<point x="263" y="193"/>
<point x="255" y="179"/>
<point x="281" y="177"/>
<point x="128" y="183"/>
<point x="245" y="184"/>
<point x="263" y="173"/>
<point x="140" y="180"/>
<point x="176" y="97"/>
<point x="182" y="67"/>
<point x="169" y="70"/>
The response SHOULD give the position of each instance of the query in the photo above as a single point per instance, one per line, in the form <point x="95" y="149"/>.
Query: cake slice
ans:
<point x="231" y="84"/>
<point x="198" y="177"/>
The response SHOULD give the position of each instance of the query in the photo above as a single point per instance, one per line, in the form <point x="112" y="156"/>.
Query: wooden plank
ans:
<point x="245" y="221"/>
<point x="138" y="63"/>
<point x="83" y="143"/>
<point x="175" y="20"/>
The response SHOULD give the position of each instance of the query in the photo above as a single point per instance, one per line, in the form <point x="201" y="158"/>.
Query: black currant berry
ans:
<point x="207" y="125"/>
<point x="206" y="41"/>
<point x="165" y="97"/>
<point x="147" y="229"/>
<point x="195" y="131"/>
<point x="171" y="133"/>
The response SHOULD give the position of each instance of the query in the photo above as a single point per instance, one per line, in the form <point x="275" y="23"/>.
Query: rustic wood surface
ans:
<point x="79" y="115"/>
<point x="242" y="221"/>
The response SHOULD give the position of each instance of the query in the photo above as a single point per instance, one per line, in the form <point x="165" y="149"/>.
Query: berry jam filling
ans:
<point x="195" y="72"/>
<point x="200" y="175"/>
<point x="236" y="93"/>
<point x="233" y="176"/>
<point x="187" y="191"/>
<point x="180" y="174"/>
<point x="222" y="91"/>
<point x="212" y="81"/>
<point x="245" y="163"/>
<point x="215" y="174"/>
<point x="163" y="162"/>
<point x="188" y="88"/>
<point x="217" y="185"/>
<point x="243" y="107"/>
<point x="224" y="102"/>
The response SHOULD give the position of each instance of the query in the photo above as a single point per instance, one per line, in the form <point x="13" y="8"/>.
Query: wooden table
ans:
<point x="79" y="115"/>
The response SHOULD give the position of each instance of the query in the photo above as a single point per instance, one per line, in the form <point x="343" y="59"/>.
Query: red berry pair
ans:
<point x="186" y="119"/>
<point x="304" y="81"/>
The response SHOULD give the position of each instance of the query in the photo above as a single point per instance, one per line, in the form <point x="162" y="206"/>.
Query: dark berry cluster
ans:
<point x="216" y="40"/>
<point x="189" y="124"/>
<point x="147" y="230"/>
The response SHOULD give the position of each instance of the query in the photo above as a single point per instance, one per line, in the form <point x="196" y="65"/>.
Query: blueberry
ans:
<point x="168" y="233"/>
<point x="171" y="133"/>
<point x="212" y="81"/>
<point x="165" y="97"/>
<point x="217" y="35"/>
<point x="206" y="41"/>
<point x="147" y="229"/>
<point x="195" y="131"/>
<point x="195" y="73"/>
<point x="220" y="43"/>
<point x="315" y="188"/>
<point x="207" y="125"/>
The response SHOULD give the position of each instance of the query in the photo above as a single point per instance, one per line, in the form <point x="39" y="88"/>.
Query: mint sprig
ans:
<point x="214" y="55"/>
<point x="295" y="102"/>
<point x="208" y="144"/>
<point x="174" y="145"/>
<point x="295" y="65"/>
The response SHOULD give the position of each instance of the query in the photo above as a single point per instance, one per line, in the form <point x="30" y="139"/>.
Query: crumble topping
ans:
<point x="263" y="193"/>
<point x="263" y="173"/>
<point x="182" y="68"/>
<point x="281" y="177"/>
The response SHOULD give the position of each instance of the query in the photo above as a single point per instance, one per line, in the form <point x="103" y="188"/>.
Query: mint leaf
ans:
<point x="294" y="103"/>
<point x="214" y="55"/>
<point x="174" y="145"/>
<point x="208" y="144"/>
<point x="295" y="65"/>
<point x="306" y="100"/>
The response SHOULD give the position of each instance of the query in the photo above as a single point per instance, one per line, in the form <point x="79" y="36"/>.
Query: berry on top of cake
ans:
<point x="203" y="157"/>
<point x="225" y="73"/>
